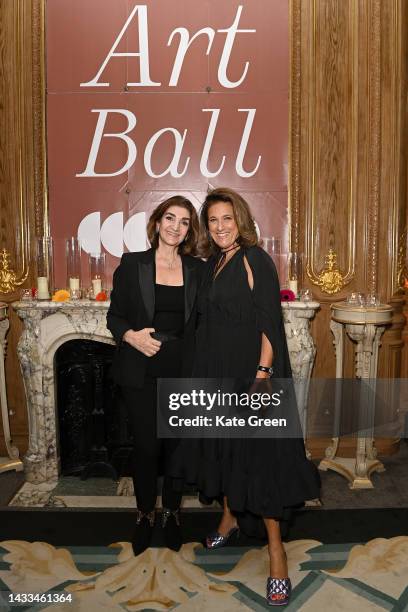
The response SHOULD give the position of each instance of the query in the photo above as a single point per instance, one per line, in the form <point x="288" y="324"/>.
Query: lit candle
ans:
<point x="96" y="286"/>
<point x="42" y="288"/>
<point x="74" y="284"/>
<point x="293" y="286"/>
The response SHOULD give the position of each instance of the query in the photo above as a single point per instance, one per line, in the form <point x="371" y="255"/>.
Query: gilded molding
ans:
<point x="294" y="124"/>
<point x="398" y="235"/>
<point x="402" y="265"/>
<point x="330" y="279"/>
<point x="26" y="138"/>
<point x="39" y="118"/>
<point x="8" y="278"/>
<point x="374" y="140"/>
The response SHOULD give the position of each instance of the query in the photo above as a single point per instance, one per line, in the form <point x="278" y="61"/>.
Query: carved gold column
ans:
<point x="23" y="187"/>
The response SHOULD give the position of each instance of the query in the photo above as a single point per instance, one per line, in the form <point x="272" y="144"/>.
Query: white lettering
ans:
<point x="142" y="54"/>
<point x="132" y="151"/>
<point x="178" y="149"/>
<point x="184" y="44"/>
<point x="244" y="143"/>
<point x="226" y="53"/>
<point x="208" y="143"/>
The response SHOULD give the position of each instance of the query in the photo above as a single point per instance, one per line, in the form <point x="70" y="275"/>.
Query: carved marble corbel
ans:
<point x="12" y="460"/>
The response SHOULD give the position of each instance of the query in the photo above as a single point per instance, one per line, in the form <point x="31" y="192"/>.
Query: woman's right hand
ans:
<point x="142" y="341"/>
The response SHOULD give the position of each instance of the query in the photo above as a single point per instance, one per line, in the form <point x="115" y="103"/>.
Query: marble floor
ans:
<point x="342" y="577"/>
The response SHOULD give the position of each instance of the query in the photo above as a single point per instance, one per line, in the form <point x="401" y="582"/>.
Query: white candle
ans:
<point x="74" y="284"/>
<point x="96" y="286"/>
<point x="42" y="288"/>
<point x="293" y="286"/>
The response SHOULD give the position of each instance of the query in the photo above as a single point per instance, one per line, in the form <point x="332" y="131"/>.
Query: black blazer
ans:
<point x="132" y="307"/>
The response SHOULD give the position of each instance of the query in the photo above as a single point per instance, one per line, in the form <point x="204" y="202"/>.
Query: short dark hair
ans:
<point x="189" y="245"/>
<point x="243" y="217"/>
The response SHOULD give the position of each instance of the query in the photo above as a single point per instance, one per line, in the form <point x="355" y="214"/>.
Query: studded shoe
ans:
<point x="170" y="521"/>
<point x="142" y="535"/>
<point x="278" y="591"/>
<point x="216" y="540"/>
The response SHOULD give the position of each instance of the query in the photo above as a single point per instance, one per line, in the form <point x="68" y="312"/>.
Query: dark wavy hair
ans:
<point x="246" y="226"/>
<point x="189" y="244"/>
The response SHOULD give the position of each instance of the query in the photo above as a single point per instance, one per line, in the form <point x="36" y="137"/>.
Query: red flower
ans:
<point x="101" y="296"/>
<point x="286" y="295"/>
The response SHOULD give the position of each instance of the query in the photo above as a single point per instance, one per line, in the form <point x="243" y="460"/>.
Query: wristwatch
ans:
<point x="262" y="368"/>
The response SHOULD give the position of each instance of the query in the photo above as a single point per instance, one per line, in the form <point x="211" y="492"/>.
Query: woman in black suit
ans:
<point x="151" y="317"/>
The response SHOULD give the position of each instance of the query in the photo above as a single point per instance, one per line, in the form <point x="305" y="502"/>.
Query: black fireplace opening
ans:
<point x="94" y="437"/>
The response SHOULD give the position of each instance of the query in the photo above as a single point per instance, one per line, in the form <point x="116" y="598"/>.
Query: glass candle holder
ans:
<point x="273" y="247"/>
<point x="295" y="271"/>
<point x="73" y="255"/>
<point x="45" y="268"/>
<point x="372" y="300"/>
<point x="97" y="273"/>
<point x="356" y="299"/>
<point x="305" y="295"/>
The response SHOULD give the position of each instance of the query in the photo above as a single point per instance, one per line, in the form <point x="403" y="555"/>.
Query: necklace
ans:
<point x="222" y="259"/>
<point x="170" y="263"/>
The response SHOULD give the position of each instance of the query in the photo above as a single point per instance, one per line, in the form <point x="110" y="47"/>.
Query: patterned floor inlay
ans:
<point x="346" y="577"/>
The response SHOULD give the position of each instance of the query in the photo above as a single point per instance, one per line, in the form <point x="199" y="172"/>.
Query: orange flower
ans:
<point x="61" y="296"/>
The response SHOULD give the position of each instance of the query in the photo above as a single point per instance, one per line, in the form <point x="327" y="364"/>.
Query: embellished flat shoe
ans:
<point x="170" y="521"/>
<point x="216" y="540"/>
<point x="143" y="532"/>
<point x="278" y="591"/>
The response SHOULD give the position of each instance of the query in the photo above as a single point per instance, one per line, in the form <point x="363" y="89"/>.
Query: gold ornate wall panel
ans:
<point x="331" y="120"/>
<point x="348" y="145"/>
<point x="22" y="171"/>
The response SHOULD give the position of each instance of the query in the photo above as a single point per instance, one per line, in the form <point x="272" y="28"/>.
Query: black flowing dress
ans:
<point x="262" y="477"/>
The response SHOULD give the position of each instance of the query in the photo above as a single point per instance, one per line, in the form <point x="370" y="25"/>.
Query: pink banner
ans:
<point x="169" y="96"/>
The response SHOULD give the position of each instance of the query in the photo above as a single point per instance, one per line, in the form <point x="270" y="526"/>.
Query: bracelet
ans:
<point x="262" y="368"/>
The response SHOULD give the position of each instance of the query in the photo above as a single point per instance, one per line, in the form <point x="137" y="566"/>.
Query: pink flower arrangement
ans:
<point x="286" y="295"/>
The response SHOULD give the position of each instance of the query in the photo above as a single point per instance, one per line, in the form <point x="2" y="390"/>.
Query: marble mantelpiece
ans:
<point x="48" y="325"/>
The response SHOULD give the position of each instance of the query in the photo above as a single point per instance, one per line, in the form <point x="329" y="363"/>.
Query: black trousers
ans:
<point x="149" y="452"/>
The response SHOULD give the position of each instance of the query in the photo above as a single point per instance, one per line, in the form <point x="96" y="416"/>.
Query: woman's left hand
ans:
<point x="261" y="374"/>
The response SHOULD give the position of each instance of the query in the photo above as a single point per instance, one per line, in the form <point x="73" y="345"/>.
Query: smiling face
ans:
<point x="174" y="225"/>
<point x="222" y="225"/>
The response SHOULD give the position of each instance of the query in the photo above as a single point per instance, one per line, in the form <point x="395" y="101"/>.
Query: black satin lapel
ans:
<point x="146" y="282"/>
<point x="190" y="290"/>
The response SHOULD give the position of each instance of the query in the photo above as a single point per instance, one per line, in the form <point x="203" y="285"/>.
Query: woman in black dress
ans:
<point x="151" y="320"/>
<point x="241" y="335"/>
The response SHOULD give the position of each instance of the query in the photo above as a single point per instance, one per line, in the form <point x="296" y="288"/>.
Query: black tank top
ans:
<point x="168" y="319"/>
<point x="169" y="309"/>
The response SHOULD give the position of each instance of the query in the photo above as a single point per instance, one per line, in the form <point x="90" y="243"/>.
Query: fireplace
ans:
<point x="49" y="325"/>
